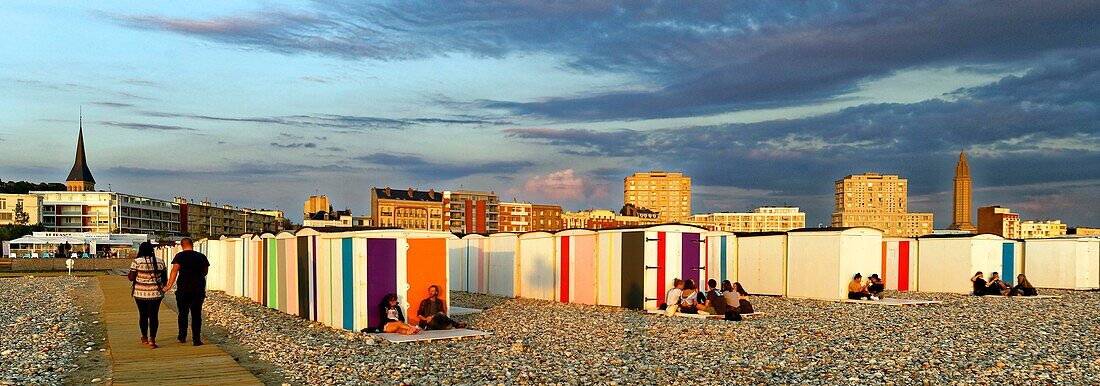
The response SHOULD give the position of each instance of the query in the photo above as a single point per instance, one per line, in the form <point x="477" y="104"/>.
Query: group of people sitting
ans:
<point x="870" y="289"/>
<point x="730" y="302"/>
<point x="432" y="315"/>
<point x="996" y="286"/>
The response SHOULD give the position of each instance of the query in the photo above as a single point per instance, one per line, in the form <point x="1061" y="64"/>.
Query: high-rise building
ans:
<point x="668" y="194"/>
<point x="314" y="205"/>
<point x="546" y="218"/>
<point x="878" y="201"/>
<point x="31" y="206"/>
<point x="999" y="221"/>
<point x="763" y="219"/>
<point x="515" y="217"/>
<point x="961" y="208"/>
<point x="80" y="177"/>
<point x="472" y="212"/>
<point x="408" y="209"/>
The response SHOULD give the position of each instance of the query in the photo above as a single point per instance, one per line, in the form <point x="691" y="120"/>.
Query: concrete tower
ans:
<point x="962" y="197"/>
<point x="80" y="178"/>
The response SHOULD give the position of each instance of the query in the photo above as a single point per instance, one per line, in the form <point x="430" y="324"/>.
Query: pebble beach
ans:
<point x="42" y="336"/>
<point x="964" y="340"/>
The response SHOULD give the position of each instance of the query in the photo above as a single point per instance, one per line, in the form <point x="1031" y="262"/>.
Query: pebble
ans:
<point x="40" y="338"/>
<point x="798" y="341"/>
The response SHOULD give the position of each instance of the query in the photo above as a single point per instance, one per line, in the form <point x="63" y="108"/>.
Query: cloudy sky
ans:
<point x="262" y="104"/>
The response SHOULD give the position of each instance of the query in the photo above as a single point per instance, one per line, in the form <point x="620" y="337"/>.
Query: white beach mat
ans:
<point x="455" y="311"/>
<point x="701" y="316"/>
<point x="894" y="302"/>
<point x="424" y="336"/>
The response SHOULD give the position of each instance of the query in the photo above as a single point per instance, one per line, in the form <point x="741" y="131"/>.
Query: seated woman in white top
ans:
<point x="673" y="295"/>
<point x="689" y="300"/>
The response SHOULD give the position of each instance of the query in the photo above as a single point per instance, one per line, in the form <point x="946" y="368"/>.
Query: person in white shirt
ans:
<point x="673" y="295"/>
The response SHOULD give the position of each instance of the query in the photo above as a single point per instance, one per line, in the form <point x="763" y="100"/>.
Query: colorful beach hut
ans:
<point x="762" y="262"/>
<point x="948" y="261"/>
<point x="822" y="261"/>
<point x="899" y="263"/>
<point x="636" y="266"/>
<point x="721" y="256"/>
<point x="1064" y="263"/>
<point x="575" y="259"/>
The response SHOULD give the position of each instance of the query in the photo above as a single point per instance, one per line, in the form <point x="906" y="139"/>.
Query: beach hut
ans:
<point x="287" y="264"/>
<point x="762" y="262"/>
<point x="456" y="262"/>
<point x="721" y="256"/>
<point x="822" y="261"/>
<point x="475" y="263"/>
<point x="1012" y="260"/>
<point x="356" y="269"/>
<point x="219" y="269"/>
<point x="1064" y="263"/>
<point x="948" y="261"/>
<point x="536" y="262"/>
<point x="503" y="264"/>
<point x="575" y="258"/>
<point x="636" y="266"/>
<point x="899" y="263"/>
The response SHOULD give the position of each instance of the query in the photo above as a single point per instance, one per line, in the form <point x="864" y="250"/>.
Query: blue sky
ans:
<point x="262" y="104"/>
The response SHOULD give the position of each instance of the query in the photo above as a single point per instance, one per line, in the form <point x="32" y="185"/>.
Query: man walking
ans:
<point x="433" y="314"/>
<point x="190" y="268"/>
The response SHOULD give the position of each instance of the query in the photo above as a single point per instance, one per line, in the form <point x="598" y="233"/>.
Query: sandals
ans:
<point x="153" y="345"/>
<point x="144" y="340"/>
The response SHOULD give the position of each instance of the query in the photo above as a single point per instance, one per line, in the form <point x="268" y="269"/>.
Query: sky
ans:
<point x="261" y="104"/>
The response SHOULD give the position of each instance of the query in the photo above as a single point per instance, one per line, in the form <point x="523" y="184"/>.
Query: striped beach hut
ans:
<point x="899" y="263"/>
<point x="721" y="256"/>
<point x="575" y="259"/>
<point x="636" y="266"/>
<point x="762" y="262"/>
<point x="822" y="261"/>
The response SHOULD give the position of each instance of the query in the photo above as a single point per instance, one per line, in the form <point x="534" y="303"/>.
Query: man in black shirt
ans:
<point x="433" y="314"/>
<point x="190" y="268"/>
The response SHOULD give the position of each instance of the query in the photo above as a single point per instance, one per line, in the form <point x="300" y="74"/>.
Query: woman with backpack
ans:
<point x="148" y="274"/>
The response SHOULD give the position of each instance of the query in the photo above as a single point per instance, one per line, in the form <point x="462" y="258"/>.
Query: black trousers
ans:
<point x="148" y="316"/>
<point x="190" y="303"/>
<point x="440" y="322"/>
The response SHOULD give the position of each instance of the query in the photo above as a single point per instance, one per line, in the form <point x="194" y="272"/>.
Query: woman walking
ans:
<point x="147" y="272"/>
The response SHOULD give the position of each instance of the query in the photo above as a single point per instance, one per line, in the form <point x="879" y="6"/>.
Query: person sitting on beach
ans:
<point x="1023" y="287"/>
<point x="743" y="305"/>
<point x="996" y="286"/>
<point x="857" y="290"/>
<point x="979" y="283"/>
<point x="392" y="318"/>
<point x="673" y="295"/>
<point x="876" y="287"/>
<point x="689" y="302"/>
<point x="433" y="314"/>
<point x="716" y="302"/>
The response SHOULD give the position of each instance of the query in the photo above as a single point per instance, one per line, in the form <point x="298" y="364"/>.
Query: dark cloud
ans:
<point x="243" y="171"/>
<point x="1039" y="128"/>
<point x="295" y="145"/>
<point x="113" y="104"/>
<point x="420" y="167"/>
<point x="146" y="126"/>
<point x="340" y="123"/>
<point x="711" y="57"/>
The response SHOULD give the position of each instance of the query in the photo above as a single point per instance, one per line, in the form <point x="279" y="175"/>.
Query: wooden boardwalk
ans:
<point x="173" y="363"/>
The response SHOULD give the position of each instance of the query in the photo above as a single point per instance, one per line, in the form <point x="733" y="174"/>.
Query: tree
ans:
<point x="21" y="217"/>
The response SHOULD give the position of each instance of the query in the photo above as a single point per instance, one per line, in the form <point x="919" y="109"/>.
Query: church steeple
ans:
<point x="80" y="177"/>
